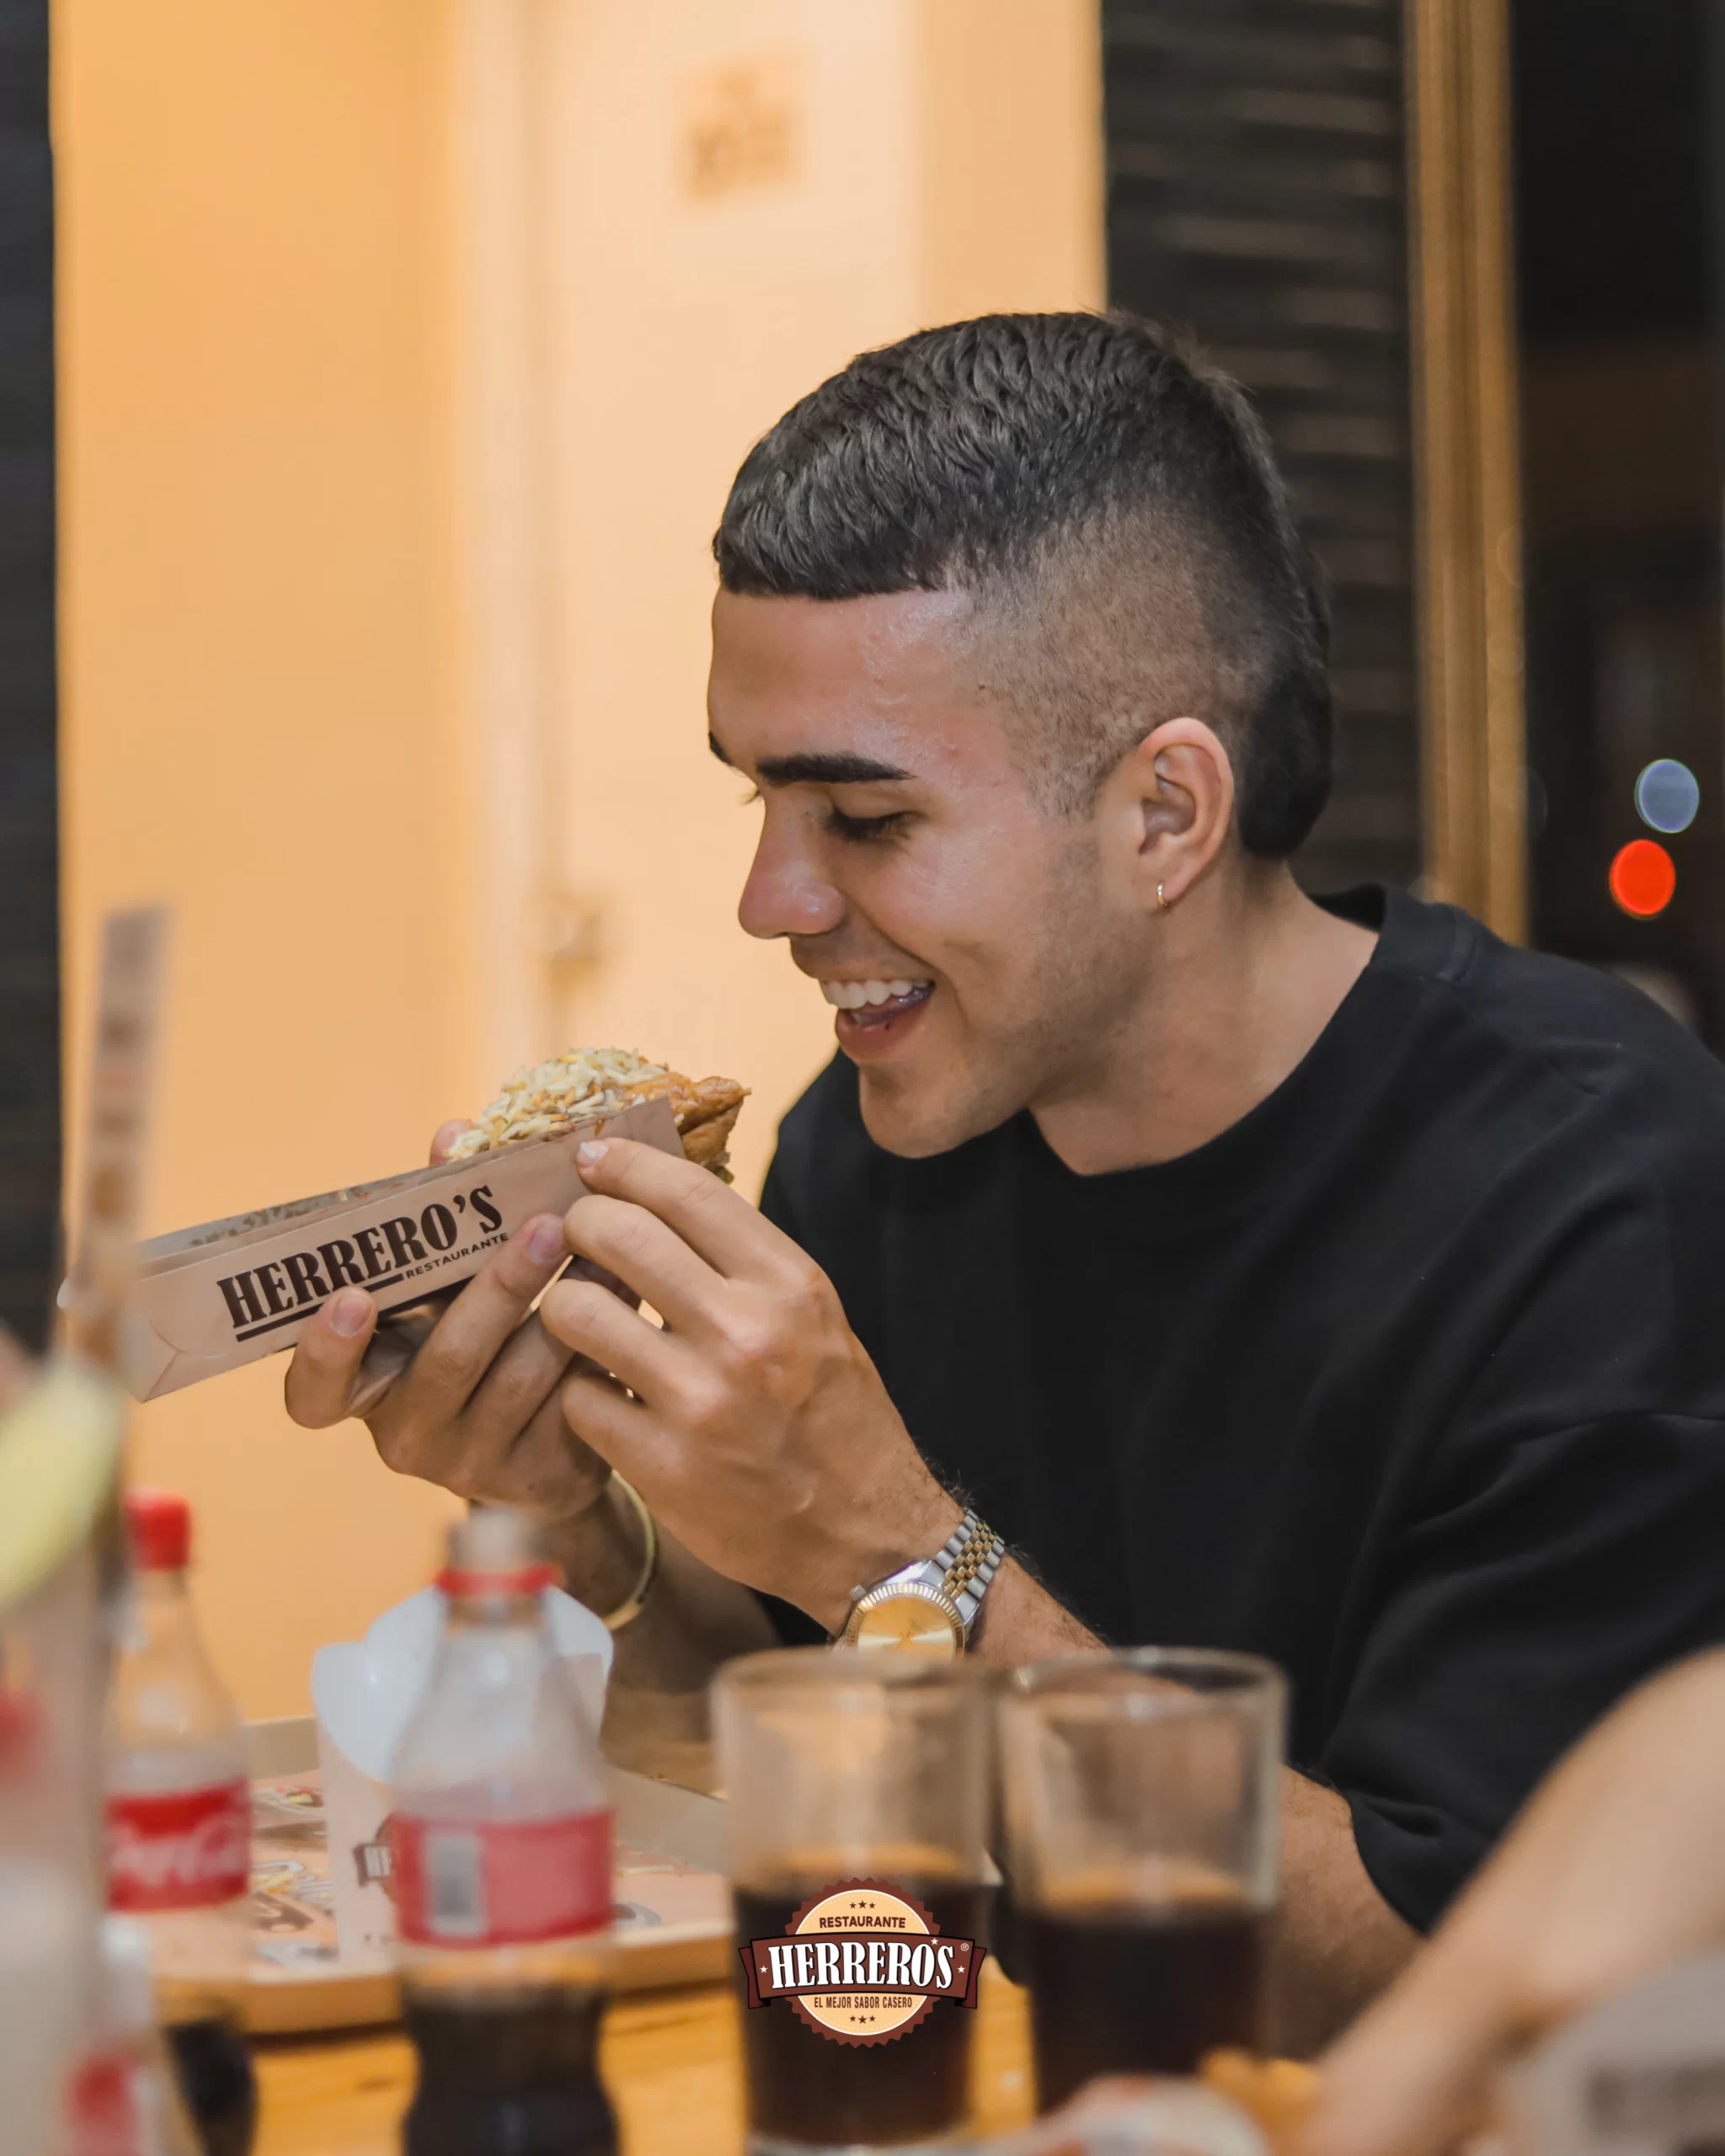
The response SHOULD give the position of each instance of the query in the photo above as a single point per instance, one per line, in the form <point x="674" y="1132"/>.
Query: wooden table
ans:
<point x="671" y="2059"/>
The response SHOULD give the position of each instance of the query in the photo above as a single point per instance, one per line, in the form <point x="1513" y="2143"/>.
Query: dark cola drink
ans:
<point x="808" y="2092"/>
<point x="1122" y="1989"/>
<point x="217" y="2083"/>
<point x="500" y="1847"/>
<point x="506" y="2074"/>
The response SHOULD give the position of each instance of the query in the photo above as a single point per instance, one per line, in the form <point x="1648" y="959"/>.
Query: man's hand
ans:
<point x="758" y="1431"/>
<point x="464" y="1392"/>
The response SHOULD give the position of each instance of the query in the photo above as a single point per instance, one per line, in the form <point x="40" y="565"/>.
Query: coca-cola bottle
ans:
<point x="179" y="1817"/>
<point x="500" y="1833"/>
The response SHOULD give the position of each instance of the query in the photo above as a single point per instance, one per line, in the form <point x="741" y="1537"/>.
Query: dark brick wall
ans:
<point x="30" y="992"/>
<point x="1256" y="195"/>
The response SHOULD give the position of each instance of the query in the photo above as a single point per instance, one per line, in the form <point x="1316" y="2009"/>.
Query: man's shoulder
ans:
<point x="1579" y="1026"/>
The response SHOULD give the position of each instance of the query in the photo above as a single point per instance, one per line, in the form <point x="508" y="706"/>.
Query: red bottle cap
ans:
<point x="455" y="1581"/>
<point x="160" y="1525"/>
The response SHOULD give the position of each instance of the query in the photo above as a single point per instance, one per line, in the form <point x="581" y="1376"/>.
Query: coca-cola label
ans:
<point x="487" y="1882"/>
<point x="189" y="1850"/>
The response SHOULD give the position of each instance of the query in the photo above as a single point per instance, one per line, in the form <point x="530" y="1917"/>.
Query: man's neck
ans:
<point x="1248" y="973"/>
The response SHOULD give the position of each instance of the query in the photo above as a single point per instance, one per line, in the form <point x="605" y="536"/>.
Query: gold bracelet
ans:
<point x="626" y="1611"/>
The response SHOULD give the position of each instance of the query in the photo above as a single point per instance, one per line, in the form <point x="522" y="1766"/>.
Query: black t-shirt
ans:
<point x="1412" y="1379"/>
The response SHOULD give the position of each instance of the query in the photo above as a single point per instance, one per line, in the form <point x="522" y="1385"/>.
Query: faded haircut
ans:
<point x="1111" y="503"/>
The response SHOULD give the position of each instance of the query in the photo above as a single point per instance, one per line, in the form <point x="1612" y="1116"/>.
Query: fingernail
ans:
<point x="349" y="1311"/>
<point x="448" y="1134"/>
<point x="592" y="1150"/>
<point x="545" y="1239"/>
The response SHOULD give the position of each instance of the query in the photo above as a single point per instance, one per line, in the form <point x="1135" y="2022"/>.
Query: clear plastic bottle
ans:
<point x="179" y="1819"/>
<point x="501" y="1835"/>
<point x="124" y="2099"/>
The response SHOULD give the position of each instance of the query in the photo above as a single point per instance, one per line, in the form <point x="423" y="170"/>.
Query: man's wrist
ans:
<point x="599" y="1549"/>
<point x="923" y="1530"/>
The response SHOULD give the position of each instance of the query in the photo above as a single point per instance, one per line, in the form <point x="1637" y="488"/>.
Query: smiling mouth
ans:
<point x="874" y="1002"/>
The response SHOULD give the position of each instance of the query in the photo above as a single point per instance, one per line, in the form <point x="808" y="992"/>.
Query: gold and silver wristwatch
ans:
<point x="928" y="1607"/>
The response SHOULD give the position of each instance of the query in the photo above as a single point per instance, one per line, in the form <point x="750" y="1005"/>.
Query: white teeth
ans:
<point x="854" y="995"/>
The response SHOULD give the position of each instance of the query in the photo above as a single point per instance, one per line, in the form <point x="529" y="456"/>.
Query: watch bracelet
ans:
<point x="972" y="1553"/>
<point x="979" y="1553"/>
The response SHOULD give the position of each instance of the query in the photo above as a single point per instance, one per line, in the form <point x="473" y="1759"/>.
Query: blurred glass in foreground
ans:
<point x="59" y="1450"/>
<point x="1142" y="1802"/>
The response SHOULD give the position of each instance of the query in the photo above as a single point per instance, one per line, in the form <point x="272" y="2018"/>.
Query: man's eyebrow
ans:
<point x="829" y="768"/>
<point x="834" y="769"/>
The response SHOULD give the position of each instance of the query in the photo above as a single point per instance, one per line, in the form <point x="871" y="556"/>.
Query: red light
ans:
<point x="1643" y="877"/>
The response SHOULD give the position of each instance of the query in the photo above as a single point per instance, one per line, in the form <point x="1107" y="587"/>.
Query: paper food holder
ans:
<point x="208" y="1299"/>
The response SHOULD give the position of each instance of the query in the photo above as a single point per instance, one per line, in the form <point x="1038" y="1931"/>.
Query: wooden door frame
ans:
<point x="1467" y="459"/>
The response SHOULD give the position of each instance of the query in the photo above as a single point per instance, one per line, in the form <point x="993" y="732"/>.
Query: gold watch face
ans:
<point x="914" y="1619"/>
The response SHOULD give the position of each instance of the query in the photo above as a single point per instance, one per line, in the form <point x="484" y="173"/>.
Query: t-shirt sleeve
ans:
<point x="1546" y="1574"/>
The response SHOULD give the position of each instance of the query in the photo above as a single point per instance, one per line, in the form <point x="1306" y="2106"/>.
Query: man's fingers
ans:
<point x="539" y="1461"/>
<point x="583" y="1268"/>
<point x="448" y="1134"/>
<point x="326" y="1361"/>
<point x="521" y="1380"/>
<point x="592" y="1322"/>
<point x="726" y="1229"/>
<point x="635" y="1247"/>
<point x="398" y="1338"/>
<point x="624" y="1433"/>
<point x="479" y="1321"/>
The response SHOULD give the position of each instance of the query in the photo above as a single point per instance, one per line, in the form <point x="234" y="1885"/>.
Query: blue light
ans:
<point x="1667" y="795"/>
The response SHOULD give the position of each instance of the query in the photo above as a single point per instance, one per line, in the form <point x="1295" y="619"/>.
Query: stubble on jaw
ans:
<point x="1063" y="1002"/>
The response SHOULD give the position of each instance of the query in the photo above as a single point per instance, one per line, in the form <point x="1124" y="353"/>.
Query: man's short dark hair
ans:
<point x="1111" y="501"/>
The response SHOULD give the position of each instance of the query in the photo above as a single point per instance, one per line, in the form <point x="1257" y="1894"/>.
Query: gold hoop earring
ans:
<point x="1162" y="899"/>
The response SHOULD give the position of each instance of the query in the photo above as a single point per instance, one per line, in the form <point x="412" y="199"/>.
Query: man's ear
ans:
<point x="1167" y="811"/>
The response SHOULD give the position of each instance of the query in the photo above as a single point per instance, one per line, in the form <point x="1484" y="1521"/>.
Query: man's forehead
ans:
<point x="878" y="682"/>
<point x="874" y="677"/>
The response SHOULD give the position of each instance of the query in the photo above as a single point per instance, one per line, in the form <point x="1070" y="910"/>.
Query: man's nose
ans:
<point x="785" y="893"/>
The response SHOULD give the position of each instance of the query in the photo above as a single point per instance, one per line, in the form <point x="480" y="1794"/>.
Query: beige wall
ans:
<point x="254" y="591"/>
<point x="1012" y="121"/>
<point x="402" y="376"/>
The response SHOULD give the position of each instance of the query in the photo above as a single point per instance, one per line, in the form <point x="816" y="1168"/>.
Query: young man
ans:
<point x="1322" y="1279"/>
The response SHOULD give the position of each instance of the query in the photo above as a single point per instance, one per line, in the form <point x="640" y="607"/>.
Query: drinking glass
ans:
<point x="1141" y="1804"/>
<point x="856" y="1813"/>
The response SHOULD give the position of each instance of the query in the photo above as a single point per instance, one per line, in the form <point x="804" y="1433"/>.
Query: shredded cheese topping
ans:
<point x="583" y="1083"/>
